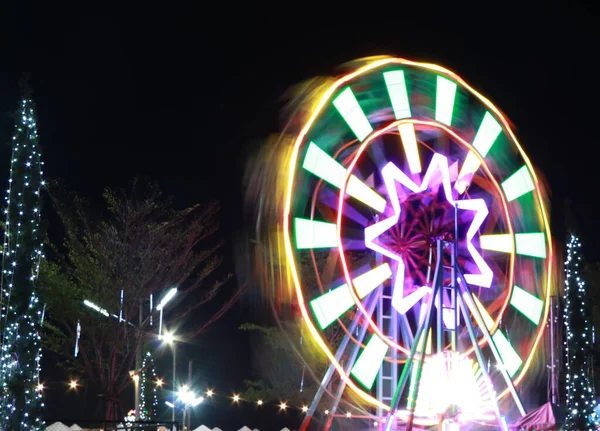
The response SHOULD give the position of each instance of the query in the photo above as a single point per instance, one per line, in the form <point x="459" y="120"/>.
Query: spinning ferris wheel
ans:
<point x="424" y="223"/>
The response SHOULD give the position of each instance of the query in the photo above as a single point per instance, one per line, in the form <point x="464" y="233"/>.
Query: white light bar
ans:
<point x="168" y="296"/>
<point x="95" y="307"/>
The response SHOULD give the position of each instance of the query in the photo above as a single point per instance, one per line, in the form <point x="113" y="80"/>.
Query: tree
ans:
<point x="21" y="402"/>
<point x="139" y="247"/>
<point x="580" y="400"/>
<point x="287" y="363"/>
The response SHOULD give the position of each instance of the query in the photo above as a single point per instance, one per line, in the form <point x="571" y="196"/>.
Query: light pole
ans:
<point x="165" y="299"/>
<point x="169" y="339"/>
<point x="189" y="399"/>
<point x="138" y="354"/>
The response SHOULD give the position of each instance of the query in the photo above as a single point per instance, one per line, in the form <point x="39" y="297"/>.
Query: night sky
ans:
<point x="177" y="95"/>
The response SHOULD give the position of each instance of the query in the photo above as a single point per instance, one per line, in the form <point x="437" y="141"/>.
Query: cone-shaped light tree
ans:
<point x="20" y="397"/>
<point x="20" y="390"/>
<point x="580" y="399"/>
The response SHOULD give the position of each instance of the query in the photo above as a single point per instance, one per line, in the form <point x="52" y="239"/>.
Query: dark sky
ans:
<point x="177" y="94"/>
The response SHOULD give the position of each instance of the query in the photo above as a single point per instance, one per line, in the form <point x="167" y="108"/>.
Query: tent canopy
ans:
<point x="548" y="417"/>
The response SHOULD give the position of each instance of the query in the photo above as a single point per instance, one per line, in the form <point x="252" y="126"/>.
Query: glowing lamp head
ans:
<point x="40" y="387"/>
<point x="235" y="398"/>
<point x="304" y="409"/>
<point x="282" y="406"/>
<point x="209" y="393"/>
<point x="259" y="402"/>
<point x="73" y="384"/>
<point x="168" y="337"/>
<point x="159" y="383"/>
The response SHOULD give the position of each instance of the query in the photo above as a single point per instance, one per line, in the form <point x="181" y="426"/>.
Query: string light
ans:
<point x="580" y="402"/>
<point x="21" y="255"/>
<point x="147" y="412"/>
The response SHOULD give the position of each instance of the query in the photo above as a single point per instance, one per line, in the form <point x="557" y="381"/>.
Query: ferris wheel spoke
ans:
<point x="369" y="361"/>
<point x="444" y="100"/>
<point x="330" y="306"/>
<point x="396" y="86"/>
<point x="518" y="184"/>
<point x="531" y="244"/>
<point x="322" y="165"/>
<point x="352" y="113"/>
<point x="488" y="132"/>
<point x="527" y="304"/>
<point x="311" y="234"/>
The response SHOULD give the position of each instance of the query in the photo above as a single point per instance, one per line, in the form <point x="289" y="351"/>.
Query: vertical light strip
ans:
<point x="529" y="305"/>
<point x="350" y="110"/>
<point x="488" y="132"/>
<point x="518" y="184"/>
<point x="396" y="86"/>
<point x="369" y="362"/>
<point x="409" y="143"/>
<point x="314" y="234"/>
<point x="319" y="163"/>
<point x="328" y="307"/>
<point x="444" y="100"/>
<point x="531" y="244"/>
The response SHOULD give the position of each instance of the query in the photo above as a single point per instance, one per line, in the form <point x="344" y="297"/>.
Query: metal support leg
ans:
<point x="481" y="361"/>
<point x="466" y="296"/>
<point x="331" y="369"/>
<point x="421" y="332"/>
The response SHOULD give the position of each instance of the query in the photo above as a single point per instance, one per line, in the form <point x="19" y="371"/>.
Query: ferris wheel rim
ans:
<point x="547" y="283"/>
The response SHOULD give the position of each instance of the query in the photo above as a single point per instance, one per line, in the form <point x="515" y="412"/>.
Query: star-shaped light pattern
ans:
<point x="392" y="174"/>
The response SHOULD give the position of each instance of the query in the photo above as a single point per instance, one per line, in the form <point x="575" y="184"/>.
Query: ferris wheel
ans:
<point x="412" y="204"/>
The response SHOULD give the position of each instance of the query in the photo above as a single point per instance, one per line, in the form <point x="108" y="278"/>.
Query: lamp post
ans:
<point x="169" y="339"/>
<point x="189" y="399"/>
<point x="138" y="354"/>
<point x="165" y="299"/>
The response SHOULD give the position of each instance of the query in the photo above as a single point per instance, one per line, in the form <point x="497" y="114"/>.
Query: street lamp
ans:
<point x="169" y="339"/>
<point x="165" y="299"/>
<point x="189" y="399"/>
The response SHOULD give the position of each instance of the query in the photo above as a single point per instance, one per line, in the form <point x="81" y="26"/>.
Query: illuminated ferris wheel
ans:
<point x="424" y="223"/>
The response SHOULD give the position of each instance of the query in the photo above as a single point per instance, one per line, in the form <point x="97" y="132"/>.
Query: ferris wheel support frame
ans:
<point x="465" y="302"/>
<point x="331" y="369"/>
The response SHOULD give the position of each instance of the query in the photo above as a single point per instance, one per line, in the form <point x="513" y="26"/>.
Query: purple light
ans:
<point x="437" y="174"/>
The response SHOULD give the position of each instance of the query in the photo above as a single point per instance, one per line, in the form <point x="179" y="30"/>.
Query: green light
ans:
<point x="444" y="100"/>
<point x="350" y="110"/>
<point x="369" y="362"/>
